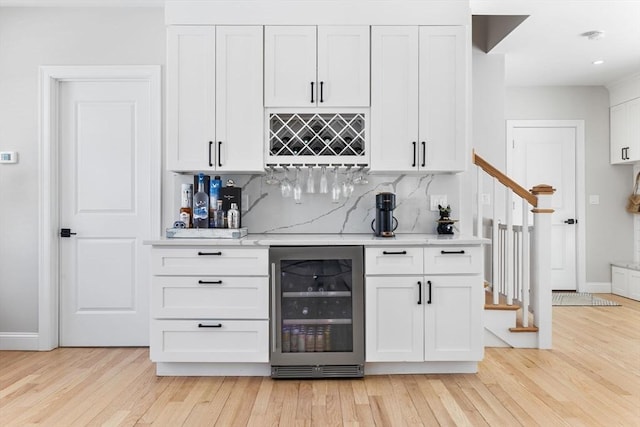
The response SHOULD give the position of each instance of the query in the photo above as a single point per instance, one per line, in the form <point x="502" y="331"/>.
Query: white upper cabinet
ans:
<point x="214" y="98"/>
<point x="419" y="98"/>
<point x="625" y="132"/>
<point x="309" y="66"/>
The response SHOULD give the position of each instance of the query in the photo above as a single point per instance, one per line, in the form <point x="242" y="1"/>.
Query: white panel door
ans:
<point x="343" y="66"/>
<point x="443" y="98"/>
<point x="239" y="104"/>
<point x="290" y="66"/>
<point x="394" y="98"/>
<point x="547" y="155"/>
<point x="394" y="317"/>
<point x="105" y="142"/>
<point x="191" y="95"/>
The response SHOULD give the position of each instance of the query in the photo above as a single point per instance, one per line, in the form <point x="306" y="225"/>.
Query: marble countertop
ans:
<point x="627" y="264"/>
<point x="412" y="239"/>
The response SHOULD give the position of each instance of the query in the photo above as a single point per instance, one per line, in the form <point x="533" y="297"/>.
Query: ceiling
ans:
<point x="547" y="49"/>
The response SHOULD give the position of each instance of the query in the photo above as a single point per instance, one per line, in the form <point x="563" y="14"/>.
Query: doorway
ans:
<point x="100" y="180"/>
<point x="552" y="152"/>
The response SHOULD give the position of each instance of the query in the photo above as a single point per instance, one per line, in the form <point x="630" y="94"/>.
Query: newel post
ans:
<point x="541" y="297"/>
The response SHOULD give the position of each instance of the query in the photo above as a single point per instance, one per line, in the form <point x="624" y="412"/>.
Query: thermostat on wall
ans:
<point x="8" y="157"/>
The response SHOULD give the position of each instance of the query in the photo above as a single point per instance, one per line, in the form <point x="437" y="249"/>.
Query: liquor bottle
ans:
<point x="214" y="195"/>
<point x="185" y="204"/>
<point x="201" y="205"/>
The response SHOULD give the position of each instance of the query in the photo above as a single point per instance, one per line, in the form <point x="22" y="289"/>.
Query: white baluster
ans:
<point x="525" y="263"/>
<point x="495" y="258"/>
<point x="479" y="203"/>
<point x="509" y="247"/>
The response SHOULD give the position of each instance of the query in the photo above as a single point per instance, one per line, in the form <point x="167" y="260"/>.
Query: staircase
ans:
<point x="517" y="311"/>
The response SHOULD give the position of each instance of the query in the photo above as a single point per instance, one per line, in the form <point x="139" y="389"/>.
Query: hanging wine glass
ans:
<point x="361" y="179"/>
<point x="324" y="185"/>
<point x="271" y="178"/>
<point x="311" y="185"/>
<point x="297" y="188"/>
<point x="285" y="184"/>
<point x="347" y="185"/>
<point x="335" y="187"/>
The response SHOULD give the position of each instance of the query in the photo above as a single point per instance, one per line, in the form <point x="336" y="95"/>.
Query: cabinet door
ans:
<point x="443" y="98"/>
<point x="633" y="129"/>
<point x="290" y="66"/>
<point x="394" y="319"/>
<point x="633" y="284"/>
<point x="394" y="98"/>
<point x="239" y="105"/>
<point x="190" y="98"/>
<point x="618" y="133"/>
<point x="619" y="282"/>
<point x="453" y="318"/>
<point x="343" y="66"/>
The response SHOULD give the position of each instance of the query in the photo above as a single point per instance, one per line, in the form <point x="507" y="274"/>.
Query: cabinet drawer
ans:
<point x="209" y="340"/>
<point x="453" y="259"/>
<point x="208" y="260"/>
<point x="222" y="297"/>
<point x="393" y="260"/>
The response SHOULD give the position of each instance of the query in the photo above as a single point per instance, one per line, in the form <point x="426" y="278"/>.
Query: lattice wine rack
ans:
<point x="317" y="138"/>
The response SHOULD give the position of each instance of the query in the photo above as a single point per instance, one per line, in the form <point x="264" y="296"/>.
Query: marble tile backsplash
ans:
<point x="269" y="212"/>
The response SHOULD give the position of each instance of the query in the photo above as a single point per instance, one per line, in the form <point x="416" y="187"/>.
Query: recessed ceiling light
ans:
<point x="598" y="62"/>
<point x="593" y="35"/>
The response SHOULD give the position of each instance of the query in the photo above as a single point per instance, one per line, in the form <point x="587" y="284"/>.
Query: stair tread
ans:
<point x="502" y="305"/>
<point x="524" y="329"/>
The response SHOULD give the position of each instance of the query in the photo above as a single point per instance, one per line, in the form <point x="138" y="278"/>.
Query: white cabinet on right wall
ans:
<point x="625" y="132"/>
<point x="419" y="98"/>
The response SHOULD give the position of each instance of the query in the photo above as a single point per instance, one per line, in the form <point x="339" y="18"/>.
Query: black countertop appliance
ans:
<point x="385" y="223"/>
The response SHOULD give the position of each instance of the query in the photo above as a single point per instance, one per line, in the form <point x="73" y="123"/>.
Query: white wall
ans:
<point x="609" y="234"/>
<point x="30" y="37"/>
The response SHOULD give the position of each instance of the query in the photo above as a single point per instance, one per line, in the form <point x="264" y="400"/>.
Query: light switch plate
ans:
<point x="437" y="199"/>
<point x="8" y="157"/>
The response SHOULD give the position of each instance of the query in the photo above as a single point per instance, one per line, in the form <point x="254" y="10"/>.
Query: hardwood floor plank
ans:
<point x="591" y="377"/>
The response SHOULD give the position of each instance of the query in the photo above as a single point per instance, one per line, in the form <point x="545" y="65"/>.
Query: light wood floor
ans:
<point x="590" y="378"/>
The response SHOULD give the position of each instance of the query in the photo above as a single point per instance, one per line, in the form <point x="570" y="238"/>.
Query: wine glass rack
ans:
<point x="316" y="139"/>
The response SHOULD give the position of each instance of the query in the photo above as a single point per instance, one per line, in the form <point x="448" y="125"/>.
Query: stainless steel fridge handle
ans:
<point x="273" y="307"/>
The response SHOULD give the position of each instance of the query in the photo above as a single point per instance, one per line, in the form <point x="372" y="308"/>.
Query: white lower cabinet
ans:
<point x="625" y="282"/>
<point x="210" y="304"/>
<point x="427" y="317"/>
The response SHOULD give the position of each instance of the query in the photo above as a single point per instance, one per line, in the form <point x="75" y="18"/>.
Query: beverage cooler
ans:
<point x="318" y="312"/>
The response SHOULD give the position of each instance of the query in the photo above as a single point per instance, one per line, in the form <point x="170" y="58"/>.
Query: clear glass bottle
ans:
<point x="185" y="204"/>
<point x="219" y="219"/>
<point x="201" y="205"/>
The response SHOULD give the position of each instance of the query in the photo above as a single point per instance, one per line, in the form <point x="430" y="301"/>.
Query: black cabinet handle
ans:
<point x="424" y="153"/>
<point x="66" y="232"/>
<point x="210" y="147"/>
<point x="202" y="325"/>
<point x="209" y="253"/>
<point x="452" y="252"/>
<point x="312" y="101"/>
<point x="321" y="91"/>
<point x="429" y="283"/>
<point x="210" y="282"/>
<point x="219" y="153"/>
<point x="394" y="253"/>
<point x="413" y="165"/>
<point x="419" y="293"/>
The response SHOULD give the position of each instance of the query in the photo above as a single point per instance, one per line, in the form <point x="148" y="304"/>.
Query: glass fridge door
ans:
<point x="319" y="305"/>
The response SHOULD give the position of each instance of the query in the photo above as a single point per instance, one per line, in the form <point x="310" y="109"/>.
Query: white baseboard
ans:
<point x="598" y="287"/>
<point x="19" y="341"/>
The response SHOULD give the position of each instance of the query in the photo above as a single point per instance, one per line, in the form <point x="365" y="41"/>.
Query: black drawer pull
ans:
<point x="209" y="253"/>
<point x="451" y="252"/>
<point x="429" y="283"/>
<point x="210" y="282"/>
<point x="394" y="253"/>
<point x="419" y="293"/>
<point x="201" y="325"/>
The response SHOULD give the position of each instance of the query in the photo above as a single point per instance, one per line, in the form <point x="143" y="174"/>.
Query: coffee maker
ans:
<point x="385" y="223"/>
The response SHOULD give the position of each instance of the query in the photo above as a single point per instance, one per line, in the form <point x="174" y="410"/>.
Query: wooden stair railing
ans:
<point x="533" y="256"/>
